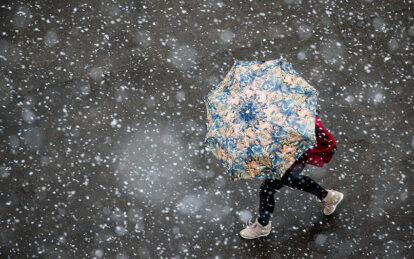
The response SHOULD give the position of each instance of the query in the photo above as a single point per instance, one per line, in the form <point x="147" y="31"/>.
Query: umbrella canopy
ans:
<point x="260" y="119"/>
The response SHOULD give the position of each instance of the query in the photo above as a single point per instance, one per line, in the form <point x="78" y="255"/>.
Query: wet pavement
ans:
<point x="102" y="126"/>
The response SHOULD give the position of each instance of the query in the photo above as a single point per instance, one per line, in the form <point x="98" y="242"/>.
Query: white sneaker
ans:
<point x="331" y="201"/>
<point x="255" y="230"/>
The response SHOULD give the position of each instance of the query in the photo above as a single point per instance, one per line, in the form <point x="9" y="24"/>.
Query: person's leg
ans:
<point x="294" y="179"/>
<point x="267" y="200"/>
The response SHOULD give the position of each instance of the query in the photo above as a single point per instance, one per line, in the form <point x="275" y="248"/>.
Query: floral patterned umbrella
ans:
<point x="261" y="118"/>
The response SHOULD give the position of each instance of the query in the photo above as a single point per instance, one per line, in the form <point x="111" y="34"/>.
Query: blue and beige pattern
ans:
<point x="261" y="118"/>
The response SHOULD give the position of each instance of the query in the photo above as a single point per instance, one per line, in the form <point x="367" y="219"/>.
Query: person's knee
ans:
<point x="293" y="180"/>
<point x="266" y="191"/>
<point x="271" y="185"/>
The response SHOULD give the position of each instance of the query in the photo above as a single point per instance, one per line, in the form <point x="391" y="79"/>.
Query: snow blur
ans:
<point x="102" y="126"/>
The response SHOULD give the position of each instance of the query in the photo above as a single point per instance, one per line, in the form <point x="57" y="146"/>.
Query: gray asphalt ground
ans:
<point x="102" y="126"/>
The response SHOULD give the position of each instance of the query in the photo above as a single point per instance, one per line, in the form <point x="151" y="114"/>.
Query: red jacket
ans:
<point x="324" y="148"/>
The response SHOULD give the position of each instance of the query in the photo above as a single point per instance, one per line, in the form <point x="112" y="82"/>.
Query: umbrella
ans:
<point x="260" y="119"/>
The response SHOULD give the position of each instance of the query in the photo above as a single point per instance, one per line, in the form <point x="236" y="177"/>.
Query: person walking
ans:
<point x="320" y="154"/>
<point x="262" y="122"/>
